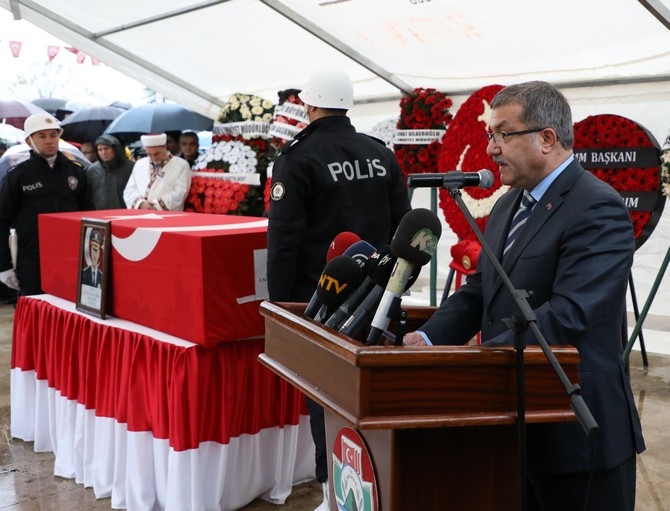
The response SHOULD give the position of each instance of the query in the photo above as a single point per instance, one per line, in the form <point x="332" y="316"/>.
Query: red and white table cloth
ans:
<point x="152" y="420"/>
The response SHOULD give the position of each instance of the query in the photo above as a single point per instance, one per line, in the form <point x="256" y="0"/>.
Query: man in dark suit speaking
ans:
<point x="565" y="237"/>
<point x="92" y="274"/>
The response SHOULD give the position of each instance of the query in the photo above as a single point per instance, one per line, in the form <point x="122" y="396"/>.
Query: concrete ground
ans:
<point x="27" y="482"/>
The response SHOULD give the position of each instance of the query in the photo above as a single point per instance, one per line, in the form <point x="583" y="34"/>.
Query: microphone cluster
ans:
<point x="361" y="286"/>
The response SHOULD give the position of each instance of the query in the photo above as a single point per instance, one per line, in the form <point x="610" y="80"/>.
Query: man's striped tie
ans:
<point x="522" y="214"/>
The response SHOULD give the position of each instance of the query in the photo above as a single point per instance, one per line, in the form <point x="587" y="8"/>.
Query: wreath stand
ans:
<point x="645" y="310"/>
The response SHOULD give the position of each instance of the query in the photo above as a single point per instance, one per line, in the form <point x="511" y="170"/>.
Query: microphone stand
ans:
<point x="523" y="319"/>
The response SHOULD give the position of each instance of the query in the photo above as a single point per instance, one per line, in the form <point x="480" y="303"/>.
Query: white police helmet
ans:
<point x="328" y="88"/>
<point x="39" y="122"/>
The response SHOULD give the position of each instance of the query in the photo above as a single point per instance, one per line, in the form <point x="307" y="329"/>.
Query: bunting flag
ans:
<point x="52" y="51"/>
<point x="15" y="46"/>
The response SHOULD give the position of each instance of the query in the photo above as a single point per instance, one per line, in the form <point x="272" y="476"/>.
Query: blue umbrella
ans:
<point x="157" y="118"/>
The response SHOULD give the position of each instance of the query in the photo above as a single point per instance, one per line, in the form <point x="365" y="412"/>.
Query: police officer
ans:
<point x="329" y="179"/>
<point x="47" y="182"/>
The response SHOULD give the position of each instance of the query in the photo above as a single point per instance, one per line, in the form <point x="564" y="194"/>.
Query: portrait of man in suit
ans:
<point x="92" y="273"/>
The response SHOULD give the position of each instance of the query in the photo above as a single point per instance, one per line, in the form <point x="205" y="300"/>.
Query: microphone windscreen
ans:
<point x="339" y="278"/>
<point x="417" y="235"/>
<point x="340" y="243"/>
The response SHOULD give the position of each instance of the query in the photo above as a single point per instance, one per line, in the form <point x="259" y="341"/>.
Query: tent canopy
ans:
<point x="199" y="52"/>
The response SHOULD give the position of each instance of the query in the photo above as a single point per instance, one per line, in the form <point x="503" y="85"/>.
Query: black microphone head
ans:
<point x="412" y="278"/>
<point x="486" y="179"/>
<point x="371" y="264"/>
<point x="417" y="235"/>
<point x="339" y="278"/>
<point x="382" y="271"/>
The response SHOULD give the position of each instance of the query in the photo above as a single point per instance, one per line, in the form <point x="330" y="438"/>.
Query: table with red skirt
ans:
<point x="151" y="420"/>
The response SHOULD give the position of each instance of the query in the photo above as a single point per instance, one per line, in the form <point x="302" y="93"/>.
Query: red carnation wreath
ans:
<point x="626" y="156"/>
<point x="424" y="116"/>
<point x="464" y="149"/>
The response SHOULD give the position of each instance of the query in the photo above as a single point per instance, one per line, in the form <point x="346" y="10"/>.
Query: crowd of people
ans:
<point x="573" y="251"/>
<point x="49" y="181"/>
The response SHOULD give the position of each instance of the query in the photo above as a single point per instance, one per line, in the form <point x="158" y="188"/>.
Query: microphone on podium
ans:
<point x="453" y="179"/>
<point x="414" y="244"/>
<point x="340" y="277"/>
<point x="349" y="305"/>
<point x="365" y="309"/>
<point x="340" y="243"/>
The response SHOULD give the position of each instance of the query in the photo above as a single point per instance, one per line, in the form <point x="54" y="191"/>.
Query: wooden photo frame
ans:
<point x="93" y="269"/>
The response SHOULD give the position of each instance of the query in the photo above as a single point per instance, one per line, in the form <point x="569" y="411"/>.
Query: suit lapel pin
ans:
<point x="549" y="206"/>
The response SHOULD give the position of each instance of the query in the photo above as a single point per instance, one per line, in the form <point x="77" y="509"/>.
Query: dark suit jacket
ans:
<point x="87" y="277"/>
<point x="574" y="255"/>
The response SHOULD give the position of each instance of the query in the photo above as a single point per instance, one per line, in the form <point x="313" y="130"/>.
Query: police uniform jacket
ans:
<point x="31" y="188"/>
<point x="328" y="180"/>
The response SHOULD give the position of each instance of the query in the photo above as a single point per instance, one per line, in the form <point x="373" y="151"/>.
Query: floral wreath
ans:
<point x="230" y="176"/>
<point x="246" y="108"/>
<point x="615" y="134"/>
<point x="424" y="116"/>
<point x="464" y="149"/>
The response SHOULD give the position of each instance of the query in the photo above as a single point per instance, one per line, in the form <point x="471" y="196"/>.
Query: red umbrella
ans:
<point x="15" y="112"/>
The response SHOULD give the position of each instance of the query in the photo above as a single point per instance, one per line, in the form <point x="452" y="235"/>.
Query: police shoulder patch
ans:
<point x="278" y="190"/>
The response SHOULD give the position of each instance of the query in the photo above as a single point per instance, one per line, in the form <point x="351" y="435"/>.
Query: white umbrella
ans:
<point x="11" y="135"/>
<point x="17" y="153"/>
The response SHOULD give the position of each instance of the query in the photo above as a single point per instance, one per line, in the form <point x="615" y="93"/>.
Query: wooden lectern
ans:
<point x="438" y="422"/>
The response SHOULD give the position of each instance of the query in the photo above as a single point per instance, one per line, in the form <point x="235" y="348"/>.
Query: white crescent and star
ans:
<point x="143" y="240"/>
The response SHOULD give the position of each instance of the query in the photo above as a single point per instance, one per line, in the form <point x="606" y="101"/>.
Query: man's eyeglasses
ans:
<point x="499" y="137"/>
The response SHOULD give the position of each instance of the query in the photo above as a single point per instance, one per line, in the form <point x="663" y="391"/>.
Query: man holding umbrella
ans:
<point x="47" y="182"/>
<point x="160" y="180"/>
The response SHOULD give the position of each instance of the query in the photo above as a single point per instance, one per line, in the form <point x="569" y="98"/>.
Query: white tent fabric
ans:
<point x="200" y="52"/>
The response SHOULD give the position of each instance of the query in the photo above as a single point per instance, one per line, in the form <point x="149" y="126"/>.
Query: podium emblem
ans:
<point x="354" y="483"/>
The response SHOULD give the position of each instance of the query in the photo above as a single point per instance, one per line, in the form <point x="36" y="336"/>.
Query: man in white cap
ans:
<point x="47" y="182"/>
<point x="160" y="181"/>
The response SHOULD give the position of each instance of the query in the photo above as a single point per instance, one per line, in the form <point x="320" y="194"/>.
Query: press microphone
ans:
<point x="453" y="179"/>
<point x="414" y="244"/>
<point x="340" y="243"/>
<point x="365" y="310"/>
<point x="360" y="251"/>
<point x="347" y="307"/>
<point x="337" y="247"/>
<point x="340" y="277"/>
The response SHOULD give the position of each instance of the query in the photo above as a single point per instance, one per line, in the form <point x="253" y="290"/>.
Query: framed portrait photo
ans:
<point x="92" y="283"/>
